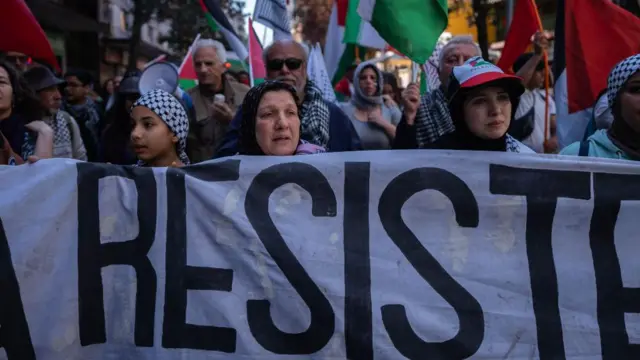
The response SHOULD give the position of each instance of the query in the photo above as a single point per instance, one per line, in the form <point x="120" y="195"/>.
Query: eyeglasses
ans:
<point x="276" y="64"/>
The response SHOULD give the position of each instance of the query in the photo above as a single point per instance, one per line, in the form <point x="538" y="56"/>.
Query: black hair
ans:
<point x="83" y="76"/>
<point x="25" y="101"/>
<point x="247" y="141"/>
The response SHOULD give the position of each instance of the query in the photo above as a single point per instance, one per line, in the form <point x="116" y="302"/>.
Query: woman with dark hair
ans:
<point x="482" y="101"/>
<point x="622" y="139"/>
<point x="271" y="122"/>
<point x="115" y="140"/>
<point x="390" y="90"/>
<point x="23" y="134"/>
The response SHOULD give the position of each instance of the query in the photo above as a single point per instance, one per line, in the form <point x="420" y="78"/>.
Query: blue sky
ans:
<point x="259" y="28"/>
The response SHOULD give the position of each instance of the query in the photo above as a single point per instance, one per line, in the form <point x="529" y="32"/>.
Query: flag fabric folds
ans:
<point x="257" y="70"/>
<point x="338" y="56"/>
<point x="411" y="26"/>
<point x="525" y="25"/>
<point x="317" y="73"/>
<point x="186" y="72"/>
<point x="22" y="33"/>
<point x="219" y="22"/>
<point x="360" y="32"/>
<point x="273" y="14"/>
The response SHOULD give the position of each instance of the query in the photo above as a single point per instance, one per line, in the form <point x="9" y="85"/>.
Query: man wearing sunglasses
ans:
<point x="321" y="122"/>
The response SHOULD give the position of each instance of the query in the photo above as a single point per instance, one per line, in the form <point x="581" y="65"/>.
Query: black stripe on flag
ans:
<point x="559" y="56"/>
<point x="213" y="6"/>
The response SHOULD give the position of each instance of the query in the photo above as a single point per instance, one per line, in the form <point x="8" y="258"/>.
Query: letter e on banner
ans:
<point x="93" y="255"/>
<point x="176" y="333"/>
<point x="256" y="206"/>
<point x="471" y="333"/>
<point x="614" y="300"/>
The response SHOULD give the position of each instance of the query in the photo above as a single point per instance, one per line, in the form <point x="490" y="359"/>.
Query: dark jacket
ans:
<point x="342" y="135"/>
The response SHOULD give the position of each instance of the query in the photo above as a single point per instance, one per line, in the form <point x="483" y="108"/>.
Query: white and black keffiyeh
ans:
<point x="619" y="76"/>
<point x="169" y="109"/>
<point x="314" y="116"/>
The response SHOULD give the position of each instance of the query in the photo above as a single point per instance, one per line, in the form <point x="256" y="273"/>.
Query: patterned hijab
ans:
<point x="171" y="111"/>
<point x="359" y="99"/>
<point x="248" y="144"/>
<point x="620" y="132"/>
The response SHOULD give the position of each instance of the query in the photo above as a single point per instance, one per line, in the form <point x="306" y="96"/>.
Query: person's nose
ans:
<point x="494" y="107"/>
<point x="281" y="122"/>
<point x="201" y="67"/>
<point x="136" y="133"/>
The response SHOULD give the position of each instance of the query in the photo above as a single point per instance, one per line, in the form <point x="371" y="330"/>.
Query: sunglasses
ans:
<point x="277" y="64"/>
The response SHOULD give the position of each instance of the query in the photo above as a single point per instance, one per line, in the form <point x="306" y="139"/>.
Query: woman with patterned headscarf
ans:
<point x="159" y="130"/>
<point x="271" y="122"/>
<point x="374" y="121"/>
<point x="622" y="139"/>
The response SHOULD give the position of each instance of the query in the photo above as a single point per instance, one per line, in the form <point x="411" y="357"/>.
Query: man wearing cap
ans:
<point x="67" y="140"/>
<point x="530" y="67"/>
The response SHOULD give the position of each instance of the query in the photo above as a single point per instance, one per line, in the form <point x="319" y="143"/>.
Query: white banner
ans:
<point x="371" y="255"/>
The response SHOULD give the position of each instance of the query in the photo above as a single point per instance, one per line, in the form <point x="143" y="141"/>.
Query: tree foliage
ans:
<point x="187" y="20"/>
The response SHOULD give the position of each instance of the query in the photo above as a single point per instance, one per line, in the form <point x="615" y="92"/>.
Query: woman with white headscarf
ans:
<point x="374" y="122"/>
<point x="159" y="130"/>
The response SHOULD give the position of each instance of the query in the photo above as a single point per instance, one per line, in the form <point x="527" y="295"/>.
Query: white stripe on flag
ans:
<point x="273" y="14"/>
<point x="365" y="9"/>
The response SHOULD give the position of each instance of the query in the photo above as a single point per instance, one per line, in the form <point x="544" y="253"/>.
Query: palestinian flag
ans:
<point x="186" y="72"/>
<point x="518" y="38"/>
<point x="413" y="27"/>
<point x="584" y="54"/>
<point x="218" y="21"/>
<point x="257" y="70"/>
<point x="360" y="32"/>
<point x="338" y="56"/>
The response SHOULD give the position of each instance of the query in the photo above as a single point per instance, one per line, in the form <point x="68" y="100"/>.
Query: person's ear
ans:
<point x="174" y="139"/>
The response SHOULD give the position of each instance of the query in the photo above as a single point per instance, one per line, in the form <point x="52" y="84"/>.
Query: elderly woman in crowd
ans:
<point x="482" y="101"/>
<point x="23" y="135"/>
<point x="159" y="130"/>
<point x="622" y="139"/>
<point x="271" y="122"/>
<point x="374" y="121"/>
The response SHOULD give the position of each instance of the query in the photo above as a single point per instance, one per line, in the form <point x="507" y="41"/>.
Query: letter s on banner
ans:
<point x="93" y="255"/>
<point x="469" y="338"/>
<point x="256" y="207"/>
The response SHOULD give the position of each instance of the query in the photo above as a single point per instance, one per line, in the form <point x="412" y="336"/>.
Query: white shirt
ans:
<point x="536" y="99"/>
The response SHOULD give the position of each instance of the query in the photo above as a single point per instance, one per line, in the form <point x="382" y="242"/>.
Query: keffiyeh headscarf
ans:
<point x="171" y="111"/>
<point x="359" y="99"/>
<point x="248" y="143"/>
<point x="621" y="133"/>
<point x="314" y="116"/>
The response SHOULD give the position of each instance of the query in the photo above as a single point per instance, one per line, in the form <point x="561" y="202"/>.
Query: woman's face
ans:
<point x="487" y="112"/>
<point x="630" y="102"/>
<point x="368" y="81"/>
<point x="277" y="124"/>
<point x="6" y="91"/>
<point x="151" y="138"/>
<point x="110" y="87"/>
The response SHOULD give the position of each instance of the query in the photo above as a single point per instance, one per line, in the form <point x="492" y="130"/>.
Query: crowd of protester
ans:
<point x="43" y="116"/>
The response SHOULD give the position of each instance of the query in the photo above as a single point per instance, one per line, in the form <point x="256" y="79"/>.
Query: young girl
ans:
<point x="159" y="130"/>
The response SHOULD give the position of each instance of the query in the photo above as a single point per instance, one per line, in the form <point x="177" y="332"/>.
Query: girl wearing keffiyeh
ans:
<point x="622" y="139"/>
<point x="271" y="122"/>
<point x="159" y="130"/>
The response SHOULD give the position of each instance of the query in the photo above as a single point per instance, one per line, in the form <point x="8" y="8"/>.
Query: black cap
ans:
<point x="40" y="78"/>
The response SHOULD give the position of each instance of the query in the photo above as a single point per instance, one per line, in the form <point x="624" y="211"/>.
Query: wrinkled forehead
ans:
<point x="464" y="50"/>
<point x="285" y="51"/>
<point x="206" y="53"/>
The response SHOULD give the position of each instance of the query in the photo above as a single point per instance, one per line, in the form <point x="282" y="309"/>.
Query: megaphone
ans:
<point x="163" y="76"/>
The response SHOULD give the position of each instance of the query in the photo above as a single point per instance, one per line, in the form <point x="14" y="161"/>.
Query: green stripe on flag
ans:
<point x="424" y="85"/>
<point x="410" y="26"/>
<point x="352" y="23"/>
<point x="211" y="22"/>
<point x="186" y="84"/>
<point x="347" y="59"/>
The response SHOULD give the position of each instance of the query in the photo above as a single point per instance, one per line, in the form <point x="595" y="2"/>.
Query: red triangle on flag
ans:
<point x="258" y="70"/>
<point x="343" y="8"/>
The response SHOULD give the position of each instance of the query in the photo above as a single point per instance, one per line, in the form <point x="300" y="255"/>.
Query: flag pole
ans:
<point x="184" y="61"/>
<point x="546" y="74"/>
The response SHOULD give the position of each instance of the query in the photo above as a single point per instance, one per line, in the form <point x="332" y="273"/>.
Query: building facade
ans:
<point x="116" y="18"/>
<point x="73" y="30"/>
